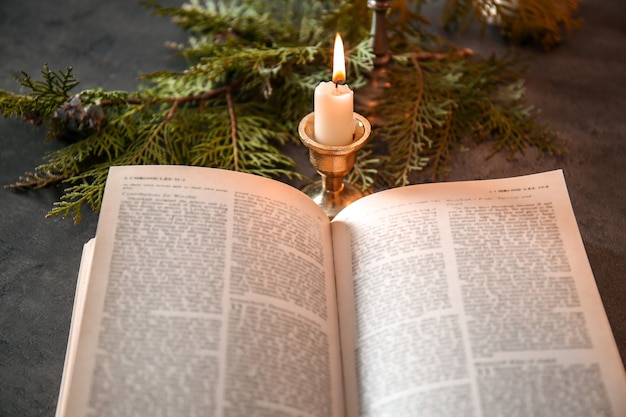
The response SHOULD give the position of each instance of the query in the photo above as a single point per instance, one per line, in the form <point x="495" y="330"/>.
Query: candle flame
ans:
<point x="339" y="64"/>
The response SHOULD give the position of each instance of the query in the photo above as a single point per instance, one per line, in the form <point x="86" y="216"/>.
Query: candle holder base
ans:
<point x="333" y="163"/>
<point x="332" y="202"/>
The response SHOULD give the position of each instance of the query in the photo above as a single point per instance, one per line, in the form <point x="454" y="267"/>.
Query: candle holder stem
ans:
<point x="369" y="95"/>
<point x="333" y="163"/>
<point x="332" y="184"/>
<point x="380" y="41"/>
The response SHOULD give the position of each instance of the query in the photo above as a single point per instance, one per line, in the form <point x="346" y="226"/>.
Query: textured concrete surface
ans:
<point x="580" y="88"/>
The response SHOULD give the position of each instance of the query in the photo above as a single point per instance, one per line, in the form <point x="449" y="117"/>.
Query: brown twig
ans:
<point x="233" y="129"/>
<point x="36" y="180"/>
<point x="424" y="55"/>
<point x="442" y="155"/>
<point x="178" y="100"/>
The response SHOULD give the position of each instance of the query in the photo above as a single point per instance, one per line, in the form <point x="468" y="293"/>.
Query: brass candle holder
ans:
<point x="331" y="193"/>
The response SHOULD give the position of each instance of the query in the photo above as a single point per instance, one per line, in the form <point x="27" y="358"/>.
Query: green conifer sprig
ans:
<point x="45" y="96"/>
<point x="535" y="21"/>
<point x="252" y="69"/>
<point x="87" y="189"/>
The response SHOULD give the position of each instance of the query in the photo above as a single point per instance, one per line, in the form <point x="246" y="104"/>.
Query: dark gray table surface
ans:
<point x="580" y="88"/>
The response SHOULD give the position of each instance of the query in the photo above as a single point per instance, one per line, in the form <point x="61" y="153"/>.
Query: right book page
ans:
<point x="472" y="299"/>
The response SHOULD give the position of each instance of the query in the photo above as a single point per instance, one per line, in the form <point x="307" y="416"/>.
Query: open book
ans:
<point x="214" y="293"/>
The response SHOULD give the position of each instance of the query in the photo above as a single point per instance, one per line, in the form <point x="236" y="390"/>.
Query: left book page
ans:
<point x="210" y="293"/>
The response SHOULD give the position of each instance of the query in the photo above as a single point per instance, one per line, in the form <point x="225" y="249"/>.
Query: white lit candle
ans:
<point x="333" y="104"/>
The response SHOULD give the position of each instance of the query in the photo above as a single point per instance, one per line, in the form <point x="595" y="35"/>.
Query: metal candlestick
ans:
<point x="369" y="95"/>
<point x="380" y="42"/>
<point x="333" y="163"/>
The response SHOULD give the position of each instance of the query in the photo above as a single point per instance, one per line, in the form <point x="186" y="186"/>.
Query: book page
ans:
<point x="77" y="314"/>
<point x="211" y="294"/>
<point x="472" y="299"/>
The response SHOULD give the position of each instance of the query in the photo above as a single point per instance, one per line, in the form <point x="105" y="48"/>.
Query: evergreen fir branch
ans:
<point x="226" y="21"/>
<point x="240" y="138"/>
<point x="104" y="144"/>
<point x="37" y="179"/>
<point x="88" y="189"/>
<point x="71" y="160"/>
<point x="442" y="102"/>
<point x="406" y="17"/>
<point x="409" y="33"/>
<point x="455" y="99"/>
<point x="516" y="129"/>
<point x="460" y="14"/>
<point x="541" y="22"/>
<point x="150" y="146"/>
<point x="54" y="84"/>
<point x="405" y="120"/>
<point x="350" y="18"/>
<point x="498" y="113"/>
<point x="443" y="144"/>
<point x="365" y="169"/>
<point x="292" y="98"/>
<point x="538" y="21"/>
<point x="253" y="67"/>
<point x="257" y="66"/>
<point x="19" y="107"/>
<point x="258" y="155"/>
<point x="359" y="63"/>
<point x="42" y="97"/>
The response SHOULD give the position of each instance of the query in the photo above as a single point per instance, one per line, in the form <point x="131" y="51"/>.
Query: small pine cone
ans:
<point x="95" y="116"/>
<point x="71" y="113"/>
